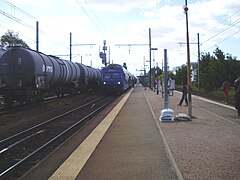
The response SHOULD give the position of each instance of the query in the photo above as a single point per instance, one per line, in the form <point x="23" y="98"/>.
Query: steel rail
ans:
<point x="52" y="140"/>
<point x="45" y="122"/>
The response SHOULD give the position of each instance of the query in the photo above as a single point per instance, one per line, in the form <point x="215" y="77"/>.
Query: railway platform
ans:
<point x="131" y="143"/>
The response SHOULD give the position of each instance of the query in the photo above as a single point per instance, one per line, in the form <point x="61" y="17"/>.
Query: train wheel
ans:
<point x="39" y="100"/>
<point x="8" y="102"/>
<point x="21" y="101"/>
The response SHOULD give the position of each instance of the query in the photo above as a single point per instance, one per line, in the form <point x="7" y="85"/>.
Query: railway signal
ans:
<point x="103" y="54"/>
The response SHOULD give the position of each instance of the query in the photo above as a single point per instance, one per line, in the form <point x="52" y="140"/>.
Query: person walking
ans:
<point x="184" y="95"/>
<point x="225" y="87"/>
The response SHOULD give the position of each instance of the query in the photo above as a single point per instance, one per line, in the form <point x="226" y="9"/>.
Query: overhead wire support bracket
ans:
<point x="131" y="44"/>
<point x="83" y="44"/>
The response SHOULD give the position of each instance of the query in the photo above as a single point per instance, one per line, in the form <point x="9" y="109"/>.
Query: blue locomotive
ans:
<point x="115" y="78"/>
<point x="28" y="75"/>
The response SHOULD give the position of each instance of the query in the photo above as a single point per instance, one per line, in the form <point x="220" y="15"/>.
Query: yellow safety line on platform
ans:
<point x="73" y="165"/>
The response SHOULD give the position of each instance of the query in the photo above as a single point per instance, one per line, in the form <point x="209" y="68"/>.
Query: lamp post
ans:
<point x="188" y="64"/>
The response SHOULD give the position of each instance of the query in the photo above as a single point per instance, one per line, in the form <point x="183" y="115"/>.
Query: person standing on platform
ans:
<point x="184" y="95"/>
<point x="237" y="94"/>
<point x="225" y="87"/>
<point x="237" y="83"/>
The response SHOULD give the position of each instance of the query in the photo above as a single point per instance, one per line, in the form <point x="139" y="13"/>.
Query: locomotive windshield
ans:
<point x="114" y="75"/>
<point x="106" y="75"/>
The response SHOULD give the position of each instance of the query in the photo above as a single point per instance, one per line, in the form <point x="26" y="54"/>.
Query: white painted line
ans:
<point x="76" y="161"/>
<point x="220" y="117"/>
<point x="210" y="101"/>
<point x="168" y="150"/>
<point x="213" y="102"/>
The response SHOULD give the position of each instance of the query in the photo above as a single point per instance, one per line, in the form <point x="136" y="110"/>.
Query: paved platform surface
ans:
<point x="132" y="148"/>
<point x="136" y="145"/>
<point x="208" y="147"/>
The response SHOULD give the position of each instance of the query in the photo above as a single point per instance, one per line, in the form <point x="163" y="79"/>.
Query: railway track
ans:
<point x="21" y="151"/>
<point x="21" y="107"/>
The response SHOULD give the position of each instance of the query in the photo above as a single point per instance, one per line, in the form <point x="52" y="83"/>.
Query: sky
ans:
<point x="125" y="24"/>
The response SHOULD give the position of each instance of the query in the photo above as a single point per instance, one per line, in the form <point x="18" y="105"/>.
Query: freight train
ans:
<point x="29" y="76"/>
<point x="117" y="79"/>
<point x="2" y="51"/>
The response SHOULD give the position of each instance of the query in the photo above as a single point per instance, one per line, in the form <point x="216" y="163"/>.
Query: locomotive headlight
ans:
<point x="119" y="82"/>
<point x="104" y="82"/>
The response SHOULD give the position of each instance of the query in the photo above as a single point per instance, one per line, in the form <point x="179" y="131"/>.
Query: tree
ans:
<point x="214" y="70"/>
<point x="181" y="75"/>
<point x="11" y="38"/>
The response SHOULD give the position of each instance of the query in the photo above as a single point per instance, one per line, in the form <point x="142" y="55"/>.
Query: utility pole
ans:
<point x="166" y="96"/>
<point x="167" y="114"/>
<point x="144" y="69"/>
<point x="198" y="61"/>
<point x="150" y="59"/>
<point x="70" y="55"/>
<point x="199" y="53"/>
<point x="37" y="36"/>
<point x="129" y="45"/>
<point x="188" y="64"/>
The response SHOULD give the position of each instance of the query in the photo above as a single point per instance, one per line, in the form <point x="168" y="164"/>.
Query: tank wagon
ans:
<point x="28" y="75"/>
<point x="116" y="78"/>
<point x="2" y="51"/>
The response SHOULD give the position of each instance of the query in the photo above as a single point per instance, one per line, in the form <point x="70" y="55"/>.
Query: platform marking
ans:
<point x="76" y="161"/>
<point x="221" y="117"/>
<point x="210" y="101"/>
<point x="168" y="150"/>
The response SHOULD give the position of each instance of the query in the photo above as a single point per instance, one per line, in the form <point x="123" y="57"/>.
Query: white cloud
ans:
<point x="39" y="3"/>
<point x="120" y="6"/>
<point x="127" y="22"/>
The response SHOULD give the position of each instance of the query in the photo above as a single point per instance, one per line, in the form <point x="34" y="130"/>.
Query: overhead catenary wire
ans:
<point x="20" y="21"/>
<point x="228" y="36"/>
<point x="16" y="19"/>
<point x="220" y="23"/>
<point x="18" y="9"/>
<point x="219" y="42"/>
<point x="93" y="21"/>
<point x="231" y="25"/>
<point x="94" y="14"/>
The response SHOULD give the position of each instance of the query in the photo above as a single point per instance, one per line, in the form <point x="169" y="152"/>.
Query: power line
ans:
<point x="85" y="11"/>
<point x="231" y="25"/>
<point x="104" y="29"/>
<point x="224" y="39"/>
<point x="229" y="36"/>
<point x="223" y="21"/>
<point x="16" y="19"/>
<point x="20" y="10"/>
